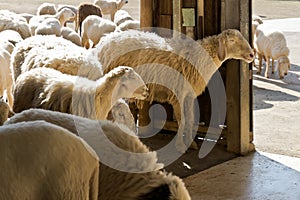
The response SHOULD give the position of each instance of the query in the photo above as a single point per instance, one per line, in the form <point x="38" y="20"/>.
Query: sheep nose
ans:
<point x="251" y="55"/>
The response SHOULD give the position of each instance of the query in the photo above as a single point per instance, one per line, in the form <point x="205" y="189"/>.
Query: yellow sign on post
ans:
<point x="188" y="15"/>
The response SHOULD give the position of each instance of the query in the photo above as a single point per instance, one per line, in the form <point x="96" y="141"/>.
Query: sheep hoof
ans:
<point x="258" y="72"/>
<point x="194" y="146"/>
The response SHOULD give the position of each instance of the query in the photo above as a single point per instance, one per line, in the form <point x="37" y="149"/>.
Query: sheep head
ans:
<point x="283" y="66"/>
<point x="131" y="85"/>
<point x="232" y="44"/>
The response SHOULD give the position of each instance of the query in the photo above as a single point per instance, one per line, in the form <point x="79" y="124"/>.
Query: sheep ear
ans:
<point x="221" y="49"/>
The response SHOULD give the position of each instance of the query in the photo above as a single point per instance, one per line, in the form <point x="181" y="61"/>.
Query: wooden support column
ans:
<point x="238" y="84"/>
<point x="146" y="8"/>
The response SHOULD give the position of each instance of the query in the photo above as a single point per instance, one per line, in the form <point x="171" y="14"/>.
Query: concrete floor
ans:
<point x="273" y="172"/>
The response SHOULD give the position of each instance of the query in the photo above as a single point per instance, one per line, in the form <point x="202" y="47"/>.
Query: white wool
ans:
<point x="110" y="7"/>
<point x="94" y="28"/>
<point x="120" y="153"/>
<point x="188" y="64"/>
<point x="6" y="83"/>
<point x="122" y="16"/>
<point x="49" y="26"/>
<point x="63" y="16"/>
<point x="12" y="21"/>
<point x="129" y="24"/>
<point x="40" y="159"/>
<point x="70" y="34"/>
<point x="46" y="9"/>
<point x="11" y="36"/>
<point x="271" y="44"/>
<point x="77" y="95"/>
<point x="54" y="52"/>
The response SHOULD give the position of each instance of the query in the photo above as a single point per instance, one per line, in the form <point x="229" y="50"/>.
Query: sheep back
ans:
<point x="41" y="160"/>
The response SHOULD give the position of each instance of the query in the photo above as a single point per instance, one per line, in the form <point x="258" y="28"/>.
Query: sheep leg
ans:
<point x="189" y="119"/>
<point x="179" y="115"/>
<point x="273" y="66"/>
<point x="85" y="41"/>
<point x="267" y="67"/>
<point x="259" y="63"/>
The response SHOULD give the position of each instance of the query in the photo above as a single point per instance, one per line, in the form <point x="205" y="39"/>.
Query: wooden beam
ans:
<point x="238" y="83"/>
<point x="146" y="10"/>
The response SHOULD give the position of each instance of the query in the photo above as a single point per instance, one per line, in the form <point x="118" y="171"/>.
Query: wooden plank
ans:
<point x="177" y="5"/>
<point x="146" y="10"/>
<point x="165" y="7"/>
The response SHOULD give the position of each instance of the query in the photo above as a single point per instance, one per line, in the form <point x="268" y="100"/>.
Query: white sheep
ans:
<point x="54" y="52"/>
<point x="46" y="9"/>
<point x="70" y="34"/>
<point x="5" y="111"/>
<point x="6" y="82"/>
<point x="63" y="15"/>
<point x="121" y="154"/>
<point x="129" y="24"/>
<point x="148" y="54"/>
<point x="122" y="16"/>
<point x="85" y="10"/>
<point x="12" y="21"/>
<point x="49" y="26"/>
<point x="73" y="8"/>
<point x="40" y="160"/>
<point x="11" y="36"/>
<point x="271" y="44"/>
<point x="125" y="21"/>
<point x="60" y="54"/>
<point x="110" y="7"/>
<point x="50" y="89"/>
<point x="94" y="28"/>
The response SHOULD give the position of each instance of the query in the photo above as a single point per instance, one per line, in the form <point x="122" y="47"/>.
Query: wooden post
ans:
<point x="146" y="9"/>
<point x="238" y="84"/>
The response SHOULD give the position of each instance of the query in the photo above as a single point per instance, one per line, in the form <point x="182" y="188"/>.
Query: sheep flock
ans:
<point x="68" y="75"/>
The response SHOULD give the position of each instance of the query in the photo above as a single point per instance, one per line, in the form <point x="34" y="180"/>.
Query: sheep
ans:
<point x="271" y="44"/>
<point x="11" y="36"/>
<point x="130" y="24"/>
<point x="46" y="9"/>
<point x="69" y="34"/>
<point x="121" y="113"/>
<point x="54" y="52"/>
<point x="50" y="89"/>
<point x="73" y="8"/>
<point x="122" y="175"/>
<point x="60" y="54"/>
<point x="6" y="82"/>
<point x="125" y="21"/>
<point x="84" y="10"/>
<point x="110" y="7"/>
<point x="40" y="160"/>
<point x="12" y="21"/>
<point x="147" y="53"/>
<point x="93" y="28"/>
<point x="122" y="16"/>
<point x="63" y="16"/>
<point x="49" y="26"/>
<point x="5" y="111"/>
